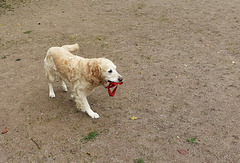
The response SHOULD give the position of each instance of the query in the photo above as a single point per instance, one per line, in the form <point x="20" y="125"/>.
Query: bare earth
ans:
<point x="180" y="60"/>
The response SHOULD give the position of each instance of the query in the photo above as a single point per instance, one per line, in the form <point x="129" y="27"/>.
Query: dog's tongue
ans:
<point x="111" y="85"/>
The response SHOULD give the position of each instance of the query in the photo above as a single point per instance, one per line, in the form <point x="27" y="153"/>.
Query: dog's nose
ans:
<point x="120" y="79"/>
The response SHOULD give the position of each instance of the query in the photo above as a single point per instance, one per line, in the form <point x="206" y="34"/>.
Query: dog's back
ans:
<point x="55" y="56"/>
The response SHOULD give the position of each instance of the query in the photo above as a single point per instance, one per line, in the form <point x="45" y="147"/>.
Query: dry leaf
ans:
<point x="5" y="131"/>
<point x="134" y="118"/>
<point x="182" y="151"/>
<point x="89" y="153"/>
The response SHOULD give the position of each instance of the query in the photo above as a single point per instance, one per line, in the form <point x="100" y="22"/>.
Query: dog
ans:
<point x="82" y="75"/>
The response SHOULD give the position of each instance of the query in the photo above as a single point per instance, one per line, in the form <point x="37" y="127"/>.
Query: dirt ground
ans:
<point x="181" y="67"/>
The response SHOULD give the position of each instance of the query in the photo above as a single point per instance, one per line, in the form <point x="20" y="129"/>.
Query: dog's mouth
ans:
<point x="114" y="81"/>
<point x="113" y="85"/>
<point x="117" y="81"/>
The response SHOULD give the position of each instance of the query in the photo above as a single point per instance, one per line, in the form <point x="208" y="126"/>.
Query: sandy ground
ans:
<point x="181" y="67"/>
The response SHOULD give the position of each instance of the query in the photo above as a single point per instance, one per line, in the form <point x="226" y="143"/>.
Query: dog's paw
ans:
<point x="51" y="95"/>
<point x="65" y="88"/>
<point x="94" y="115"/>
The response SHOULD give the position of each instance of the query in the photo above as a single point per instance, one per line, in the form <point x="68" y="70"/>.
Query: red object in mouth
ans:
<point x="111" y="85"/>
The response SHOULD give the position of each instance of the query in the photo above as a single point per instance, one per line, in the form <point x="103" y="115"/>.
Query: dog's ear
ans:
<point x="95" y="72"/>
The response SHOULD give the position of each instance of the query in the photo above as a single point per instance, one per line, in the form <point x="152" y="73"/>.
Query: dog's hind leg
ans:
<point x="51" y="77"/>
<point x="50" y="68"/>
<point x="64" y="86"/>
<point x="51" y="91"/>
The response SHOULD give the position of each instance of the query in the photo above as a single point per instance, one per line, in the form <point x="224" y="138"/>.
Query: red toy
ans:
<point x="111" y="85"/>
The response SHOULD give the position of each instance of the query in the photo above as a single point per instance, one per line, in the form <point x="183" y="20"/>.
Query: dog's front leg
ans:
<point x="82" y="104"/>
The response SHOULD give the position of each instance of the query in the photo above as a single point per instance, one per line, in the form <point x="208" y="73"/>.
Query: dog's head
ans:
<point x="109" y="72"/>
<point x="103" y="70"/>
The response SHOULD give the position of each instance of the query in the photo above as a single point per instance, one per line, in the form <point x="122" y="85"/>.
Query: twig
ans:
<point x="35" y="143"/>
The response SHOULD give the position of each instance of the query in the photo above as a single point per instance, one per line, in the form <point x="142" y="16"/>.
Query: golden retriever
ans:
<point x="82" y="75"/>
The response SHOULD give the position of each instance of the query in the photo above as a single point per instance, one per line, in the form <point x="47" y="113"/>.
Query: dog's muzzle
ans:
<point x="120" y="79"/>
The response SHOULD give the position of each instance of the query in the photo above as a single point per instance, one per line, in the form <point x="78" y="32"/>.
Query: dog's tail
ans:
<point x="71" y="48"/>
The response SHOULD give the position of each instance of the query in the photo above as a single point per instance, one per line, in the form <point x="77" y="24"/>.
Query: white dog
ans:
<point x="80" y="74"/>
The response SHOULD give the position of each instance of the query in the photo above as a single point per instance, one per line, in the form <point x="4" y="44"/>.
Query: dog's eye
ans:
<point x="110" y="71"/>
